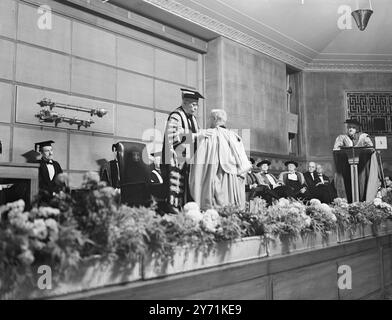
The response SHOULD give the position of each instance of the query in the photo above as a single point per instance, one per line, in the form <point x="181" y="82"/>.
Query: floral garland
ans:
<point x="72" y="227"/>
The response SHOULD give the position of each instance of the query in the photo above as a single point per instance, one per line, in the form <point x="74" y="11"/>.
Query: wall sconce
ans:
<point x="48" y="115"/>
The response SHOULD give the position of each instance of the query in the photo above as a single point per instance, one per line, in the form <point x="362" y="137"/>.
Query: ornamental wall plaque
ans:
<point x="372" y="109"/>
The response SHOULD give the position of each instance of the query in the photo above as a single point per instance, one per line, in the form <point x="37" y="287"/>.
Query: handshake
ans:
<point x="177" y="133"/>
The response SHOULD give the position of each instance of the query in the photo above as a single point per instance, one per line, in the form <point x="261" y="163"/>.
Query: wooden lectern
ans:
<point x="353" y="156"/>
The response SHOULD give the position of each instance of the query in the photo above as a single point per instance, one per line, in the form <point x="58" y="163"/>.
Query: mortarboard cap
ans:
<point x="39" y="145"/>
<point x="263" y="162"/>
<point x="191" y="94"/>
<point x="291" y="161"/>
<point x="353" y="122"/>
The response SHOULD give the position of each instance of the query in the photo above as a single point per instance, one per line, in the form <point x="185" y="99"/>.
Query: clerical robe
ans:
<point x="369" y="169"/>
<point x="217" y="174"/>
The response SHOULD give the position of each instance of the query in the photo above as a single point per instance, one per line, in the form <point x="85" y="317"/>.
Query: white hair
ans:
<point x="219" y="116"/>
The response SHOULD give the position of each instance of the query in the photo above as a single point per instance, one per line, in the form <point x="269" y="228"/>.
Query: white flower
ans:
<point x="45" y="212"/>
<point x="333" y="217"/>
<point x="195" y="215"/>
<point x="52" y="225"/>
<point x="325" y="208"/>
<point x="307" y="221"/>
<point x="40" y="230"/>
<point x="26" y="257"/>
<point x="211" y="219"/>
<point x="191" y="206"/>
<point x="377" y="201"/>
<point x="315" y="202"/>
<point x="283" y="202"/>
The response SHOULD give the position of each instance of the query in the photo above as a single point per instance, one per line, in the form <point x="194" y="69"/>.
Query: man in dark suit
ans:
<point x="311" y="179"/>
<point x="48" y="169"/>
<point x="324" y="190"/>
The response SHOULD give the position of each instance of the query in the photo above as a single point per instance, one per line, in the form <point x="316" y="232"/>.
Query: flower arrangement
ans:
<point x="287" y="218"/>
<point x="322" y="217"/>
<point x="70" y="227"/>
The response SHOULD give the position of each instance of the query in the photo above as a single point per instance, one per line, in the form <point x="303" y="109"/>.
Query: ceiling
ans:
<point x="302" y="33"/>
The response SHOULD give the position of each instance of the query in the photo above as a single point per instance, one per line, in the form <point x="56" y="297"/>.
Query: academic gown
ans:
<point x="369" y="169"/>
<point x="217" y="172"/>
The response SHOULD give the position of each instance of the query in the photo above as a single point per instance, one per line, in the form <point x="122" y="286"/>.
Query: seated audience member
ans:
<point x="269" y="188"/>
<point x="311" y="178"/>
<point x="218" y="170"/>
<point x="388" y="182"/>
<point x="294" y="185"/>
<point x="323" y="189"/>
<point x="251" y="179"/>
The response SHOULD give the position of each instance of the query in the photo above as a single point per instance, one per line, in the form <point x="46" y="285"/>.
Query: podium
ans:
<point x="354" y="156"/>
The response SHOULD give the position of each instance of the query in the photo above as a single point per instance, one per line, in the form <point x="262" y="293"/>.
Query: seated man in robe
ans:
<point x="369" y="170"/>
<point x="217" y="172"/>
<point x="294" y="185"/>
<point x="268" y="187"/>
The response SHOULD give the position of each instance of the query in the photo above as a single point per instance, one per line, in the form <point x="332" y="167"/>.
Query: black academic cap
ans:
<point x="264" y="161"/>
<point x="191" y="94"/>
<point x="39" y="145"/>
<point x="291" y="161"/>
<point x="353" y="121"/>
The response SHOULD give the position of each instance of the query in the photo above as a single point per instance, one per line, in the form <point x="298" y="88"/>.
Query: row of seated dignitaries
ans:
<point x="313" y="184"/>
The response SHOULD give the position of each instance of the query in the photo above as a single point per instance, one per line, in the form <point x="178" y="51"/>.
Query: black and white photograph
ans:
<point x="195" y="154"/>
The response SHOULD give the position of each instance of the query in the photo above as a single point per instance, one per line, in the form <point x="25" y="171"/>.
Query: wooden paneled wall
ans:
<point x="89" y="61"/>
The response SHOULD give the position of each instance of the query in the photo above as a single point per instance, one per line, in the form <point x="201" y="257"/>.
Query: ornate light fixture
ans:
<point x="362" y="16"/>
<point x="48" y="115"/>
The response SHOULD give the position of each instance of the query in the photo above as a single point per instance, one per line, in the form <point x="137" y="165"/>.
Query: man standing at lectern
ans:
<point x="369" y="170"/>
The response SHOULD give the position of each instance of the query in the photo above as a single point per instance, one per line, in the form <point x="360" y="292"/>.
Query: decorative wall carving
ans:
<point x="372" y="109"/>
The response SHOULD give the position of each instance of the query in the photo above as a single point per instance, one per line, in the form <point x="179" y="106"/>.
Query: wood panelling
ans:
<point x="307" y="275"/>
<point x="42" y="68"/>
<point x="366" y="275"/>
<point x="167" y="95"/>
<point x="86" y="150"/>
<point x="309" y="283"/>
<point x="93" y="79"/>
<point x="5" y="133"/>
<point x="7" y="49"/>
<point x="254" y="289"/>
<point x="57" y="38"/>
<point x="135" y="56"/>
<point x="170" y="66"/>
<point x="135" y="89"/>
<point x="133" y="122"/>
<point x="7" y="18"/>
<point x="5" y="102"/>
<point x="93" y="43"/>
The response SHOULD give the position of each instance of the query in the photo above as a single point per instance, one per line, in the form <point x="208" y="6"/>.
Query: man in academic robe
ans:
<point x="293" y="182"/>
<point x="49" y="169"/>
<point x="269" y="186"/>
<point x="179" y="145"/>
<point x="369" y="168"/>
<point x="217" y="172"/>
